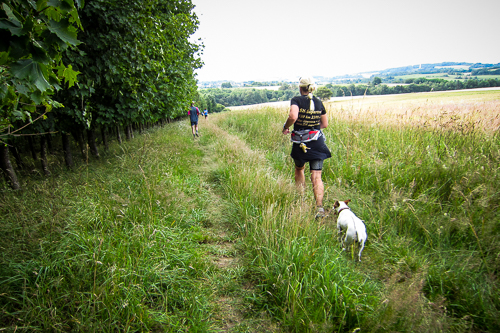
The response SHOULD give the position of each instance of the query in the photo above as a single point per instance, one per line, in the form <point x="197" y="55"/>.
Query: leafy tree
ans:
<point x="137" y="77"/>
<point x="135" y="64"/>
<point x="33" y="38"/>
<point x="246" y="96"/>
<point x="376" y="81"/>
<point x="324" y="93"/>
<point x="284" y="86"/>
<point x="226" y="85"/>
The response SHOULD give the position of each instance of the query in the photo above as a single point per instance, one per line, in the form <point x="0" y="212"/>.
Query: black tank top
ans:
<point x="308" y="119"/>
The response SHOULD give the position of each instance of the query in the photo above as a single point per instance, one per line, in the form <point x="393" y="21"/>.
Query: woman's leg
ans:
<point x="318" y="187"/>
<point x="300" y="178"/>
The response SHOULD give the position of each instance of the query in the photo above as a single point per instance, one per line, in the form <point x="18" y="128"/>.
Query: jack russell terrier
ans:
<point x="355" y="227"/>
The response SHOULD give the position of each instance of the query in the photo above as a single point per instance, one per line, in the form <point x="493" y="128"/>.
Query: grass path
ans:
<point x="230" y="283"/>
<point x="152" y="221"/>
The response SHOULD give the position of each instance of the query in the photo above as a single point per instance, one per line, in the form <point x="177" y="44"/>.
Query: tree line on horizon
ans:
<point x="411" y="85"/>
<point x="220" y="98"/>
<point x="217" y="99"/>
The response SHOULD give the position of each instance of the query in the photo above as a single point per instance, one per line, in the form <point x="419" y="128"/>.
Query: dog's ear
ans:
<point x="336" y="204"/>
<point x="347" y="201"/>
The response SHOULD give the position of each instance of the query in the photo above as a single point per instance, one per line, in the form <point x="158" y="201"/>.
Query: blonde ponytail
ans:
<point x="307" y="83"/>
<point x="311" y="101"/>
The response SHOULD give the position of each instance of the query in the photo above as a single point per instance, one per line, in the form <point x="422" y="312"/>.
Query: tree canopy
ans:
<point x="324" y="93"/>
<point x="105" y="63"/>
<point x="33" y="39"/>
<point x="133" y="57"/>
<point x="376" y="81"/>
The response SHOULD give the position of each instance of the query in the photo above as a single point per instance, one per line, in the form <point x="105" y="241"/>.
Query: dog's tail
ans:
<point x="364" y="235"/>
<point x="361" y="249"/>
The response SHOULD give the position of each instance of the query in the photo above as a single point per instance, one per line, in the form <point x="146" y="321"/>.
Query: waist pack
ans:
<point x="306" y="135"/>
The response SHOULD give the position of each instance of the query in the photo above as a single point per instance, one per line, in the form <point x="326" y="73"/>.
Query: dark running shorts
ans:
<point x="193" y="123"/>
<point x="313" y="165"/>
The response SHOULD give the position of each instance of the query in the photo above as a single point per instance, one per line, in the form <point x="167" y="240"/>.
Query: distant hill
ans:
<point x="443" y="67"/>
<point x="451" y="68"/>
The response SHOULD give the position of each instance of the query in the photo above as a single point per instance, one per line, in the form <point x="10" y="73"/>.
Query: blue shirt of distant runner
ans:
<point x="193" y="114"/>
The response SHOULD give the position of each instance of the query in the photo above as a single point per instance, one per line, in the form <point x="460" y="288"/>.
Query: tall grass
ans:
<point x="421" y="173"/>
<point x="430" y="172"/>
<point x="117" y="248"/>
<point x="127" y="243"/>
<point x="293" y="259"/>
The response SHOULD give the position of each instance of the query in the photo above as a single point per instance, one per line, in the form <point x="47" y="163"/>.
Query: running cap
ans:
<point x="308" y="83"/>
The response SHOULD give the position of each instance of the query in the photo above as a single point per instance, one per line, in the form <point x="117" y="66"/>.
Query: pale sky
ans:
<point x="263" y="40"/>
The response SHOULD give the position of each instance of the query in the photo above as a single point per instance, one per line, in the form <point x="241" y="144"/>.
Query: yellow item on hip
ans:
<point x="304" y="147"/>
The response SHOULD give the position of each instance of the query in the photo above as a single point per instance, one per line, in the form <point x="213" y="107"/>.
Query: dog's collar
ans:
<point x="341" y="209"/>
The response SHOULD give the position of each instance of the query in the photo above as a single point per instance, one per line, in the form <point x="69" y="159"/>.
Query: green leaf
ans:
<point x="64" y="31"/>
<point x="22" y="89"/>
<point x="12" y="18"/>
<point x="76" y="18"/>
<point x="32" y="71"/>
<point x="37" y="97"/>
<point x="4" y="57"/>
<point x="13" y="24"/>
<point x="28" y="25"/>
<point x="70" y="76"/>
<point x="41" y="4"/>
<point x="65" y="6"/>
<point x="18" y="115"/>
<point x="14" y="29"/>
<point x="56" y="104"/>
<point x="38" y="54"/>
<point x="23" y="69"/>
<point x="54" y="82"/>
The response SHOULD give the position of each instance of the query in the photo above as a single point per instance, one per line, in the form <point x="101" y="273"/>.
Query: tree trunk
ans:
<point x="92" y="143"/>
<point x="43" y="155"/>
<point x="19" y="161"/>
<point x="78" y="135"/>
<point x="49" y="144"/>
<point x="8" y="170"/>
<point x="127" y="132"/>
<point x="118" y="134"/>
<point x="68" y="157"/>
<point x="104" y="134"/>
<point x="32" y="148"/>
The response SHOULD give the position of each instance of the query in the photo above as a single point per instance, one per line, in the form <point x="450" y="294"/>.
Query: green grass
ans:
<point x="117" y="247"/>
<point x="429" y="198"/>
<point x="138" y="240"/>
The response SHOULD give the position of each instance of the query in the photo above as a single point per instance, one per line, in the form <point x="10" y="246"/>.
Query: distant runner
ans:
<point x="193" y="113"/>
<point x="205" y="113"/>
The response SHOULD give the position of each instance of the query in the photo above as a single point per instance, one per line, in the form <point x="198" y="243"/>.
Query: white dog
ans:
<point x="355" y="227"/>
